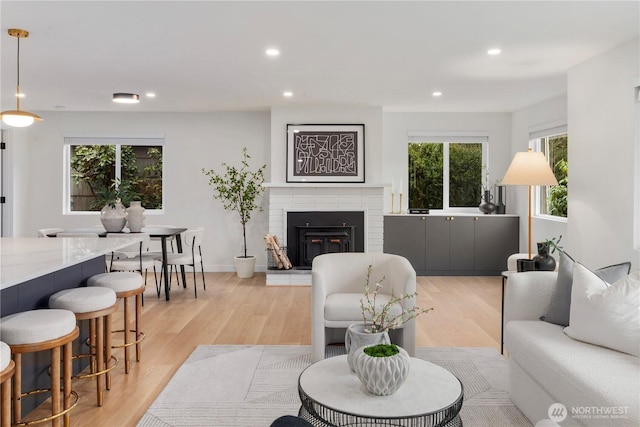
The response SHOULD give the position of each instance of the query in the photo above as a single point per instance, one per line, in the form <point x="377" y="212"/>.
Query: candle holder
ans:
<point x="392" y="209"/>
<point x="400" y="204"/>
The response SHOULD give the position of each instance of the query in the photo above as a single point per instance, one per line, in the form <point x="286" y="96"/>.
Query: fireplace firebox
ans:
<point x="313" y="233"/>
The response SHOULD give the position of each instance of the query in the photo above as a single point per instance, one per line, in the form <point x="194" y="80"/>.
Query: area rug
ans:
<point x="250" y="386"/>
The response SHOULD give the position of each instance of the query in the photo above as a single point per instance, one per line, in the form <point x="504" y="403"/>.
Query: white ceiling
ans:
<point x="209" y="55"/>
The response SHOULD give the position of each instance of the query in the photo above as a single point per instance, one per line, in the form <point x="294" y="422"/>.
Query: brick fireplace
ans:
<point x="364" y="200"/>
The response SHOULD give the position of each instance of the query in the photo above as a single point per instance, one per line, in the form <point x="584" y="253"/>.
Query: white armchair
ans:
<point x="337" y="285"/>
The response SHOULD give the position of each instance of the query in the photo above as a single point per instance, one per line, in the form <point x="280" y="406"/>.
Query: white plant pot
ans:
<point x="382" y="376"/>
<point x="245" y="266"/>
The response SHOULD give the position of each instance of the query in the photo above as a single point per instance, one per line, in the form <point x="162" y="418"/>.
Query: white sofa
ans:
<point x="337" y="285"/>
<point x="547" y="366"/>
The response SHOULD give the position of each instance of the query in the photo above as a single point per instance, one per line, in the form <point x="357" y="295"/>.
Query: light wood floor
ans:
<point x="245" y="311"/>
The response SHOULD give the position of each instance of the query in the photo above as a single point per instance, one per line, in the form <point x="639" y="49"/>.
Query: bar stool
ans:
<point x="7" y="368"/>
<point x="95" y="305"/>
<point x="39" y="330"/>
<point x="125" y="285"/>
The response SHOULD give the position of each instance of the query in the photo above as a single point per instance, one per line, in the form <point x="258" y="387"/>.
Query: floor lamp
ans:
<point x="529" y="168"/>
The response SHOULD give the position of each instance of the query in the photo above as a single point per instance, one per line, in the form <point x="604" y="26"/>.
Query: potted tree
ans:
<point x="238" y="190"/>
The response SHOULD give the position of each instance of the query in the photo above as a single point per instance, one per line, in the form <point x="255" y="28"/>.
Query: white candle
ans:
<point x="400" y="186"/>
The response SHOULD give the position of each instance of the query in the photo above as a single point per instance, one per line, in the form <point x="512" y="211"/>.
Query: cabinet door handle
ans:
<point x="424" y="219"/>
<point x="476" y="218"/>
<point x="452" y="218"/>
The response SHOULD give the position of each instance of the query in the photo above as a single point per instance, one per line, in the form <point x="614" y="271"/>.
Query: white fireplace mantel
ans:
<point x="324" y="184"/>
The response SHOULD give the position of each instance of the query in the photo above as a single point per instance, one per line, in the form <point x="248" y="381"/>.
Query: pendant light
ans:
<point x="17" y="117"/>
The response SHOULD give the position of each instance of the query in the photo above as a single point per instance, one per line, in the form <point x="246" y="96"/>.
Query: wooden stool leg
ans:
<point x="68" y="358"/>
<point x="138" y="325"/>
<point x="126" y="335"/>
<point x="5" y="408"/>
<point x="55" y="384"/>
<point x="17" y="389"/>
<point x="92" y="345"/>
<point x="107" y="348"/>
<point x="99" y="350"/>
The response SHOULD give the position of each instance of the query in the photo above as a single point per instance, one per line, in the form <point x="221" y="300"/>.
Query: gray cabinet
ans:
<point x="453" y="245"/>
<point x="449" y="242"/>
<point x="406" y="238"/>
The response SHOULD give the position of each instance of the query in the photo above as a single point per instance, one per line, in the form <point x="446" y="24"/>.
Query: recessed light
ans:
<point x="494" y="51"/>
<point x="272" y="52"/>
<point x="150" y="95"/>
<point x="437" y="93"/>
<point x="126" y="98"/>
<point x="287" y="94"/>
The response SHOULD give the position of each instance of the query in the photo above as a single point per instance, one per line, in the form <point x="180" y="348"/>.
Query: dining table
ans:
<point x="163" y="233"/>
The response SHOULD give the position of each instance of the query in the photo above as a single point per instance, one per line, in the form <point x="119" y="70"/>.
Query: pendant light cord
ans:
<point x="18" y="69"/>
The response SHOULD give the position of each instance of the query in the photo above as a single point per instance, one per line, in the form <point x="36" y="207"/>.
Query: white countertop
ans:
<point x="25" y="258"/>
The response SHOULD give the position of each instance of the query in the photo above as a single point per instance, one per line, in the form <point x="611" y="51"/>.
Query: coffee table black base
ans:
<point x="354" y="421"/>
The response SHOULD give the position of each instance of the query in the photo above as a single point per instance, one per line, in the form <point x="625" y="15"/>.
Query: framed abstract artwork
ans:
<point x="325" y="153"/>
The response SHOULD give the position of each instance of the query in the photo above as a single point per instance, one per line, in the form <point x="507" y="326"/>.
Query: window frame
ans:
<point x="636" y="207"/>
<point x="117" y="141"/>
<point x="535" y="143"/>
<point x="447" y="138"/>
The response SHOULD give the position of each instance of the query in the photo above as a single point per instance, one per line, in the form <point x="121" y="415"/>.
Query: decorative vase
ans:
<point x="245" y="266"/>
<point x="382" y="376"/>
<point x="487" y="206"/>
<point x="543" y="261"/>
<point x="135" y="217"/>
<point x="501" y="208"/>
<point x="113" y="218"/>
<point x="356" y="337"/>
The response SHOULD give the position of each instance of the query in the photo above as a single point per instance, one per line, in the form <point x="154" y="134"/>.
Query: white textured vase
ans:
<point x="114" y="218"/>
<point x="135" y="216"/>
<point x="382" y="376"/>
<point x="356" y="337"/>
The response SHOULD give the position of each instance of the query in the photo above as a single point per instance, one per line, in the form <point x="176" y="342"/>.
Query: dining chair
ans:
<point x="44" y="232"/>
<point x="193" y="239"/>
<point x="170" y="240"/>
<point x="133" y="257"/>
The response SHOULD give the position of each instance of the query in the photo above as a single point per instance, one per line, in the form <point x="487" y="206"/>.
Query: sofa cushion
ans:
<point x="575" y="373"/>
<point x="606" y="315"/>
<point x="561" y="304"/>
<point x="347" y="306"/>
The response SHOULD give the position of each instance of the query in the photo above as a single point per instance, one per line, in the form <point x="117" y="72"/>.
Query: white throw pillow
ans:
<point x="603" y="314"/>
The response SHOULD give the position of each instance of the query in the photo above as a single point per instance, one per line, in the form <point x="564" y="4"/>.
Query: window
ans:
<point x="553" y="142"/>
<point x="445" y="171"/>
<point x="98" y="165"/>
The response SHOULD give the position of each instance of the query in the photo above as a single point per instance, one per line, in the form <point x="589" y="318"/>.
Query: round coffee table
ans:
<point x="332" y="395"/>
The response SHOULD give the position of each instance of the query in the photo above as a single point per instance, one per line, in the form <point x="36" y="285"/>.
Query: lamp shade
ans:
<point x="18" y="118"/>
<point x="529" y="168"/>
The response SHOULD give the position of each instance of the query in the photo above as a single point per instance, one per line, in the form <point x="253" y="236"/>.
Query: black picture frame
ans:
<point x="325" y="153"/>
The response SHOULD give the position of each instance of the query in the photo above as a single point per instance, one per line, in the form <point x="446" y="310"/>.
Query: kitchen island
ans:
<point x="31" y="270"/>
